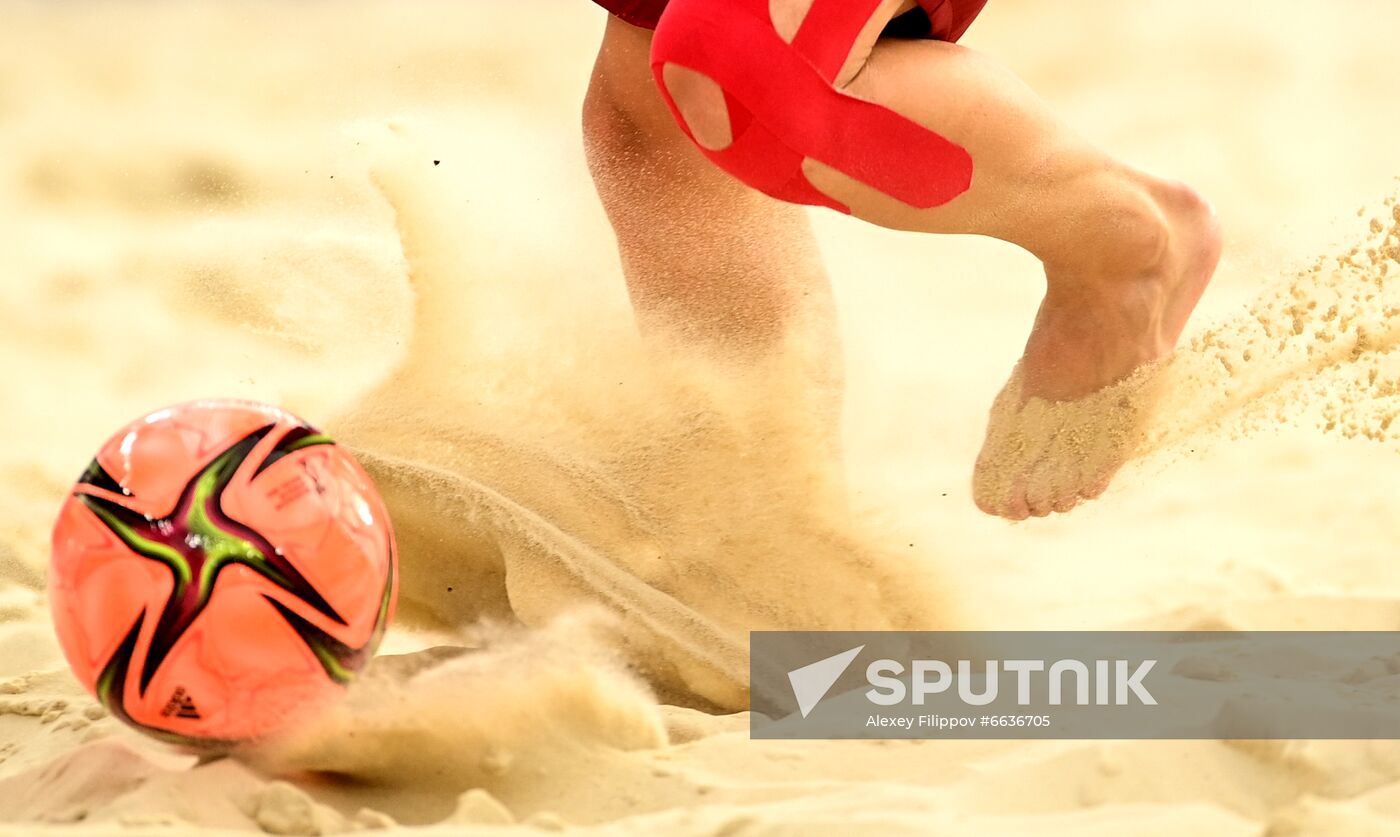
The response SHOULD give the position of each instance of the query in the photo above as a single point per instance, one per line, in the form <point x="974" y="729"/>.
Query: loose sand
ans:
<point x="378" y="215"/>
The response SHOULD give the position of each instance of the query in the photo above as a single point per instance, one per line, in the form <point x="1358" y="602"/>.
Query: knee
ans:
<point x="625" y="122"/>
<point x="605" y="125"/>
<point x="759" y="36"/>
<point x="741" y="94"/>
<point x="687" y="58"/>
<point x="759" y="106"/>
<point x="701" y="104"/>
<point x="623" y="112"/>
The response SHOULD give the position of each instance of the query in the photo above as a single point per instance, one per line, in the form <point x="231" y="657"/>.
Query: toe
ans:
<point x="1096" y="486"/>
<point x="999" y="496"/>
<point x="1069" y="480"/>
<point x="1016" y="507"/>
<point x="1040" y="487"/>
<point x="1011" y="505"/>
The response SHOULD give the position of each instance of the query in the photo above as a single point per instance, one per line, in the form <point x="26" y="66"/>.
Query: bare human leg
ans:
<point x="1126" y="255"/>
<point x="705" y="257"/>
<point x="709" y="262"/>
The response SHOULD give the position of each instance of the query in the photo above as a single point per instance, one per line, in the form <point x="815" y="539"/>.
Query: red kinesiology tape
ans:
<point x="784" y="106"/>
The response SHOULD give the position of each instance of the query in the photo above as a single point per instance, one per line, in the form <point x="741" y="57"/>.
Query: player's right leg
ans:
<point x="803" y="100"/>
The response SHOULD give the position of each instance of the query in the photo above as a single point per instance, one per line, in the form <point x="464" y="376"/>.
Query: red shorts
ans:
<point x="940" y="20"/>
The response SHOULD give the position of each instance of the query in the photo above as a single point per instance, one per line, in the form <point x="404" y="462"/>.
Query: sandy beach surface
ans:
<point x="377" y="215"/>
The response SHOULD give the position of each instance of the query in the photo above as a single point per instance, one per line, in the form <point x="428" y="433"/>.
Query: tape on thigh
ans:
<point x="784" y="107"/>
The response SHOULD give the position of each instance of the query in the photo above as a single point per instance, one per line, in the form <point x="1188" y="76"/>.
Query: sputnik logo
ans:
<point x="811" y="682"/>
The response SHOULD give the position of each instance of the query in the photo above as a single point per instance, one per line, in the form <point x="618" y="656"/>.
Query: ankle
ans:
<point x="1128" y="233"/>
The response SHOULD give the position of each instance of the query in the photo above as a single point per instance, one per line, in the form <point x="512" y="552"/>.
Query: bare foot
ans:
<point x="1077" y="402"/>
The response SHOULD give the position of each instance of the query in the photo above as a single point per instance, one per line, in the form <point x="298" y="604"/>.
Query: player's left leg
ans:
<point x="707" y="260"/>
<point x="704" y="257"/>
